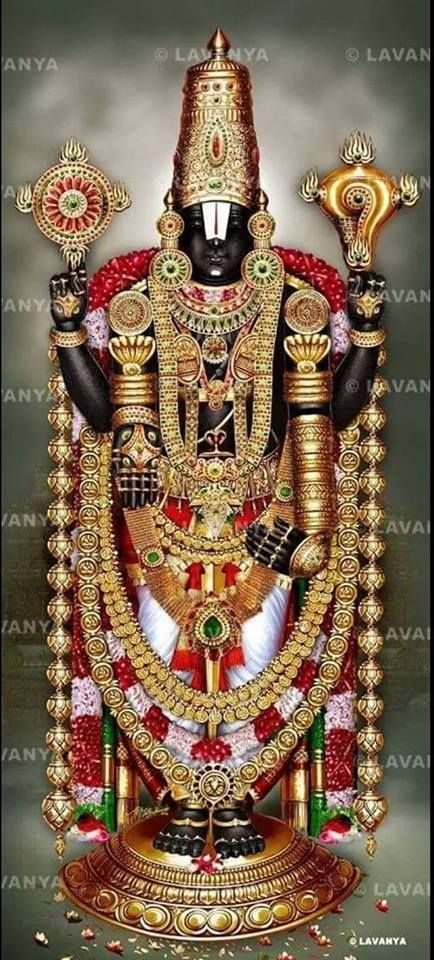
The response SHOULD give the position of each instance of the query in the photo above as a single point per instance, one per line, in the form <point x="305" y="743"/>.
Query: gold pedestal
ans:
<point x="129" y="883"/>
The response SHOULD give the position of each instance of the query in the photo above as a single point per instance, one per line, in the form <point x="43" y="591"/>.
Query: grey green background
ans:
<point x="115" y="90"/>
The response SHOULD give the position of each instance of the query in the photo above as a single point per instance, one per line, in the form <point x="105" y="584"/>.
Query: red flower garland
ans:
<point x="211" y="750"/>
<point x="341" y="756"/>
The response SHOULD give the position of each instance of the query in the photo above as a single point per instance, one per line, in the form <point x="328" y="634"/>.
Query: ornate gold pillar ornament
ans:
<point x="359" y="199"/>
<point x="58" y="805"/>
<point x="370" y="807"/>
<point x="72" y="203"/>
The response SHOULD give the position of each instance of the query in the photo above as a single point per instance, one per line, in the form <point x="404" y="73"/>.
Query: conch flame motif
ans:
<point x="73" y="151"/>
<point x="357" y="148"/>
<point x="23" y="199"/>
<point x="409" y="192"/>
<point x="122" y="199"/>
<point x="358" y="253"/>
<point x="131" y="352"/>
<point x="309" y="188"/>
<point x="307" y="350"/>
<point x="359" y="199"/>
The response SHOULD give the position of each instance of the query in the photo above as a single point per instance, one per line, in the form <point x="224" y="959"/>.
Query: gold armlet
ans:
<point x="315" y="387"/>
<point x="134" y="414"/>
<point x="310" y="556"/>
<point x="367" y="338"/>
<point x="68" y="338"/>
<point x="138" y="388"/>
<point x="313" y="478"/>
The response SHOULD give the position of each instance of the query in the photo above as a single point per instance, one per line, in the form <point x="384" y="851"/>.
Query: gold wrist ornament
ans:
<point x="367" y="338"/>
<point x="310" y="556"/>
<point x="68" y="338"/>
<point x="311" y="434"/>
<point x="134" y="414"/>
<point x="314" y="480"/>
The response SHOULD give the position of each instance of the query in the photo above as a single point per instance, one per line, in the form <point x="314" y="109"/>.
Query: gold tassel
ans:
<point x="298" y="788"/>
<point x="127" y="786"/>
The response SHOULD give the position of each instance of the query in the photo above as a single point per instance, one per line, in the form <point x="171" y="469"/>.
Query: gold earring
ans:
<point x="170" y="225"/>
<point x="261" y="224"/>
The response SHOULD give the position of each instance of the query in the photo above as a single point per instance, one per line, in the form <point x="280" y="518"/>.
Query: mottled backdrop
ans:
<point x="110" y="73"/>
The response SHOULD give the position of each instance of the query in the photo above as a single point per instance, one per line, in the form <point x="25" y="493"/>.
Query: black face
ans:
<point x="216" y="261"/>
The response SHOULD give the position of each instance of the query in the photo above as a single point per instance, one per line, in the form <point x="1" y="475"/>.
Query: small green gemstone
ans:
<point x="358" y="198"/>
<point x="286" y="491"/>
<point x="215" y="184"/>
<point x="153" y="556"/>
<point x="213" y="627"/>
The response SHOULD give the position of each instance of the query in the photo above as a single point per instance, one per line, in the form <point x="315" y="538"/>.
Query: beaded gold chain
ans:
<point x="241" y="703"/>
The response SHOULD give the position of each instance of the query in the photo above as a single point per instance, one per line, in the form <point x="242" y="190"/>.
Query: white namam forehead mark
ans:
<point x="215" y="218"/>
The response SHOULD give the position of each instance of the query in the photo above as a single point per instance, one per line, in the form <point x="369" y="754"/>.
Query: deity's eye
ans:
<point x="152" y="436"/>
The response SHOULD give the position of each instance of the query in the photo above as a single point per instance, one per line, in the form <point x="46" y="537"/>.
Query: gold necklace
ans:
<point x="212" y="316"/>
<point x="161" y="683"/>
<point x="266" y="330"/>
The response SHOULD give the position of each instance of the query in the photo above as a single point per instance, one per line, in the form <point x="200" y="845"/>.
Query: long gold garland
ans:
<point x="241" y="703"/>
<point x="214" y="782"/>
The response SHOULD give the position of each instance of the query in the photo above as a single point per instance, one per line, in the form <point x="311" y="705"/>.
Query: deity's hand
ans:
<point x="365" y="298"/>
<point x="136" y="449"/>
<point x="273" y="548"/>
<point x="68" y="296"/>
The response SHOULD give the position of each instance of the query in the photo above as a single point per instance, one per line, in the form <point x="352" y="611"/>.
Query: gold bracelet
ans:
<point x="134" y="414"/>
<point x="367" y="338"/>
<point x="139" y="388"/>
<point x="315" y="387"/>
<point x="314" y="479"/>
<point x="310" y="556"/>
<point x="68" y="338"/>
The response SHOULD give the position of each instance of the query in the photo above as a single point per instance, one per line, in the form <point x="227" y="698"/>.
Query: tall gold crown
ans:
<point x="217" y="156"/>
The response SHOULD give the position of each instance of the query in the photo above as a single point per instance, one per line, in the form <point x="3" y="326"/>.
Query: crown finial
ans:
<point x="219" y="45"/>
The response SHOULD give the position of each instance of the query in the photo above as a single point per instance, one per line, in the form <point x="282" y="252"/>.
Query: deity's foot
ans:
<point x="234" y="833"/>
<point x="185" y="833"/>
